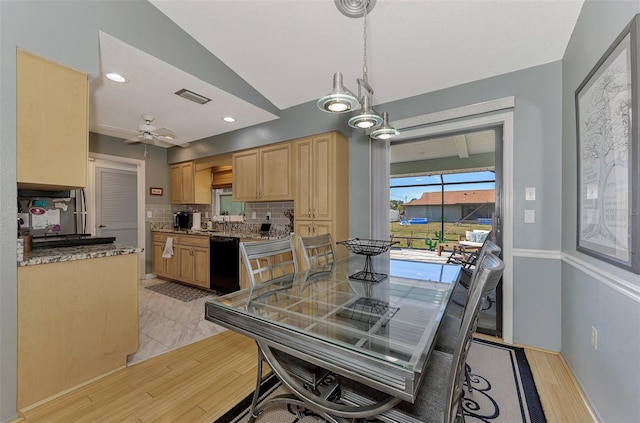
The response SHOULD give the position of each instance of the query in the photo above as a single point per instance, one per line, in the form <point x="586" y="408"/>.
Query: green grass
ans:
<point x="420" y="234"/>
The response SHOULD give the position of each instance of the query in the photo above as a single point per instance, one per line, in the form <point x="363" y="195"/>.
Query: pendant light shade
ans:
<point x="385" y="131"/>
<point x="367" y="118"/>
<point x="340" y="100"/>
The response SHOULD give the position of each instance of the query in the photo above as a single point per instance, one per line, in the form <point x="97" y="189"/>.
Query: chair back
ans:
<point x="268" y="260"/>
<point x="318" y="252"/>
<point x="489" y="271"/>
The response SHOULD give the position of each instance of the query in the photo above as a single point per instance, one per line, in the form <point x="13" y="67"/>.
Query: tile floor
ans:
<point x="167" y="323"/>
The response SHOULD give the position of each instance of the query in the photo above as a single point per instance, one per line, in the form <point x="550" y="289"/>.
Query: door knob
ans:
<point x="102" y="226"/>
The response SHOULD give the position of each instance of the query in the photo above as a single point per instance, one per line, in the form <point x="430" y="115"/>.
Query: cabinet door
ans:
<point x="157" y="262"/>
<point x="304" y="176"/>
<point x="201" y="267"/>
<point x="275" y="173"/>
<point x="182" y="183"/>
<point x="323" y="182"/>
<point x="303" y="227"/>
<point x="185" y="254"/>
<point x="245" y="176"/>
<point x="175" y="175"/>
<point x="188" y="183"/>
<point x="51" y="124"/>
<point x="172" y="265"/>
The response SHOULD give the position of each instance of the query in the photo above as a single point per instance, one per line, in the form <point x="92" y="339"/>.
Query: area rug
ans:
<point x="503" y="391"/>
<point x="178" y="291"/>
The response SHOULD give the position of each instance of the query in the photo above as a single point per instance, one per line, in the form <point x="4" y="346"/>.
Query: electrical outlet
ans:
<point x="530" y="193"/>
<point x="149" y="213"/>
<point x="594" y="337"/>
<point x="529" y="216"/>
<point x="268" y="215"/>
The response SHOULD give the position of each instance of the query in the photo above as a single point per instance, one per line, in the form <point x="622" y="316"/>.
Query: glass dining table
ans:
<point x="377" y="334"/>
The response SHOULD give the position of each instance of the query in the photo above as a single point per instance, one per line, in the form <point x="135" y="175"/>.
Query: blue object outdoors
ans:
<point x="418" y="221"/>
<point x="484" y="221"/>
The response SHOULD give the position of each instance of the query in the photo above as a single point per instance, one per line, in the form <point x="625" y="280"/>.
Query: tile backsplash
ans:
<point x="162" y="214"/>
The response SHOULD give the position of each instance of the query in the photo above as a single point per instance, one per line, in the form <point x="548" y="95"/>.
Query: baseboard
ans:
<point x="583" y="397"/>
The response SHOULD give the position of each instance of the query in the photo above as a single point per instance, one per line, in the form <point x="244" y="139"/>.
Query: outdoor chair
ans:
<point x="268" y="260"/>
<point x="318" y="252"/>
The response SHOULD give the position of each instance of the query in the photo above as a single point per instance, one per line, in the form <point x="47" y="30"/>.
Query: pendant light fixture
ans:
<point x="341" y="100"/>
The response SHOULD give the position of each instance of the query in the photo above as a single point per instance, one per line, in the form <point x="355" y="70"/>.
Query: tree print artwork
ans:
<point x="604" y="127"/>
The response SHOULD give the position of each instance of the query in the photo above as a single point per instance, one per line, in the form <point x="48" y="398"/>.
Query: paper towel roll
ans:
<point x="197" y="223"/>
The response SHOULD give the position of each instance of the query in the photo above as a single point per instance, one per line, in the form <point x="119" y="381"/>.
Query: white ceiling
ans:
<point x="288" y="51"/>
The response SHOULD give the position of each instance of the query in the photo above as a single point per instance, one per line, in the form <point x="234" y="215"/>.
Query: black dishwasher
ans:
<point x="224" y="263"/>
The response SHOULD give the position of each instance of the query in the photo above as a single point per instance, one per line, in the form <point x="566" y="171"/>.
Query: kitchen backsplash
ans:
<point x="162" y="214"/>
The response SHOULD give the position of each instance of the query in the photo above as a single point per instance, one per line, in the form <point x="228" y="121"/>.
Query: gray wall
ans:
<point x="593" y="292"/>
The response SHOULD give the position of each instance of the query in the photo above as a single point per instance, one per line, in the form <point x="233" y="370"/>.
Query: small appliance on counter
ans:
<point x="197" y="222"/>
<point x="181" y="220"/>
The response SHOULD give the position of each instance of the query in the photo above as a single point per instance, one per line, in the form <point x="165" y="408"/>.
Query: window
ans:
<point x="223" y="203"/>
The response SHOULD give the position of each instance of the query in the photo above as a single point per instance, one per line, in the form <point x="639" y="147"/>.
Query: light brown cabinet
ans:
<point x="51" y="124"/>
<point x="77" y="320"/>
<point x="190" y="260"/>
<point x="322" y="187"/>
<point x="263" y="174"/>
<point x="166" y="267"/>
<point x="193" y="252"/>
<point x="188" y="186"/>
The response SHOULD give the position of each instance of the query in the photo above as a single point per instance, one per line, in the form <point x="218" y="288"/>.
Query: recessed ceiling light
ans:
<point x="115" y="77"/>
<point x="229" y="119"/>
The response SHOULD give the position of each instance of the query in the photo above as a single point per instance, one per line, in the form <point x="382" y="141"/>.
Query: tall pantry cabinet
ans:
<point x="322" y="187"/>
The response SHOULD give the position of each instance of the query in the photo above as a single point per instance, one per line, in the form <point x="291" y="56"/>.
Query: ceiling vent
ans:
<point x="190" y="95"/>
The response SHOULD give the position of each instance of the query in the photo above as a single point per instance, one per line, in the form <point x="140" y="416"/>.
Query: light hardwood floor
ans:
<point x="201" y="381"/>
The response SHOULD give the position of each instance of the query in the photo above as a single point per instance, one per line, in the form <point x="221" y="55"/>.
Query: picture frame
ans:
<point x="156" y="191"/>
<point x="607" y="117"/>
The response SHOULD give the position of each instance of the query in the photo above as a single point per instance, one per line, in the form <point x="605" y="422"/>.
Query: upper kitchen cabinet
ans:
<point x="322" y="188"/>
<point x="189" y="186"/>
<point x="263" y="174"/>
<point x="51" y="124"/>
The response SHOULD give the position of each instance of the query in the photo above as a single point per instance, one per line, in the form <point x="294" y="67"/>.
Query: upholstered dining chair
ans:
<point x="318" y="252"/>
<point x="440" y="393"/>
<point x="268" y="260"/>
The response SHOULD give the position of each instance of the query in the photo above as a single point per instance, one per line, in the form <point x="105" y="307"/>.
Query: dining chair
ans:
<point x="268" y="260"/>
<point x="318" y="252"/>
<point x="451" y="323"/>
<point x="439" y="396"/>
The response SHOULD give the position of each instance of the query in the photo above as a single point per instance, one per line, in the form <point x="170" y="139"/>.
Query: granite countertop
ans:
<point x="216" y="233"/>
<point x="54" y="255"/>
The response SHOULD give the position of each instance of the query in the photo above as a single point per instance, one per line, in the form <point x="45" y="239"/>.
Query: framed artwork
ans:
<point x="607" y="118"/>
<point x="156" y="191"/>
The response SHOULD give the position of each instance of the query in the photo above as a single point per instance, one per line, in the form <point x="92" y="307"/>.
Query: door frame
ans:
<point x="121" y="163"/>
<point x="498" y="112"/>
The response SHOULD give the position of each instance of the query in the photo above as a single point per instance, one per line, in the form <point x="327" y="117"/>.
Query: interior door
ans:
<point x="116" y="204"/>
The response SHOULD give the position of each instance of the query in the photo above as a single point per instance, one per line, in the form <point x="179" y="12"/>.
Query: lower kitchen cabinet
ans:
<point x="190" y="260"/>
<point x="77" y="320"/>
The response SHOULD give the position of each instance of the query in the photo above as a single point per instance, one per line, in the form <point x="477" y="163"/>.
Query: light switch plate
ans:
<point x="529" y="216"/>
<point x="530" y="193"/>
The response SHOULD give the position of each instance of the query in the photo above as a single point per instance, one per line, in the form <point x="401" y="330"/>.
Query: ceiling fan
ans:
<point x="149" y="134"/>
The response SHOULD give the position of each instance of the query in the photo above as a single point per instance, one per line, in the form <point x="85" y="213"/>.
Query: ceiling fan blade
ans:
<point x="164" y="132"/>
<point x="117" y="130"/>
<point x="135" y="140"/>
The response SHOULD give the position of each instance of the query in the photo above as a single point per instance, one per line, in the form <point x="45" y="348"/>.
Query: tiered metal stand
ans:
<point x="367" y="248"/>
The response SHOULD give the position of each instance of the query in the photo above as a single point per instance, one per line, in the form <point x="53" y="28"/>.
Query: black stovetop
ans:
<point x="74" y="240"/>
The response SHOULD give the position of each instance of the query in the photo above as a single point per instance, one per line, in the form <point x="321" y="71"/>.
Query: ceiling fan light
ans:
<point x="340" y="100"/>
<point x="367" y="118"/>
<point x="385" y="131"/>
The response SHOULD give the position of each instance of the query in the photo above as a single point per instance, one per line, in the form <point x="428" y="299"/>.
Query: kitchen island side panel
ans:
<point x="77" y="320"/>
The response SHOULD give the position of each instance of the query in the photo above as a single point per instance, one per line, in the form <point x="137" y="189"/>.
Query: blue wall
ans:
<point x="593" y="292"/>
